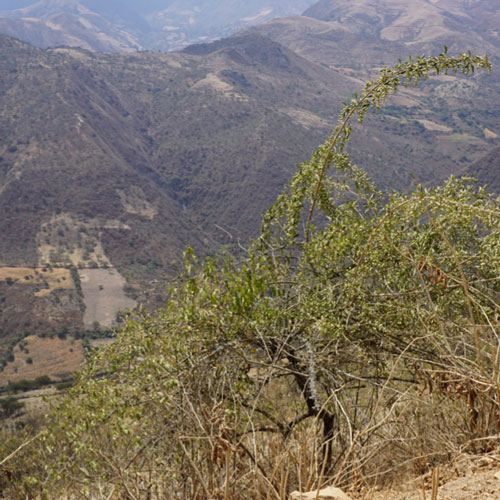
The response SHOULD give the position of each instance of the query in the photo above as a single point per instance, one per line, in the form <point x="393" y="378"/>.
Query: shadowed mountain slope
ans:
<point x="68" y="147"/>
<point x="487" y="170"/>
<point x="125" y="159"/>
<point x="208" y="135"/>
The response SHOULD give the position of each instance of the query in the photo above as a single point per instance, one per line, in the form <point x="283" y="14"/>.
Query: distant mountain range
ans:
<point x="361" y="32"/>
<point x="128" y="26"/>
<point x="131" y="25"/>
<point x="124" y="159"/>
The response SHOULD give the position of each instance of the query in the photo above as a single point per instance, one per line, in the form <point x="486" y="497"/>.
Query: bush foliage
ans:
<point x="359" y="332"/>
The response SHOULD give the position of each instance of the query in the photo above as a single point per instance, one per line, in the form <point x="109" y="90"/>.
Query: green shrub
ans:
<point x="318" y="347"/>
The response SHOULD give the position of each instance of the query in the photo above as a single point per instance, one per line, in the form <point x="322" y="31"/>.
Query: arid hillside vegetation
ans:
<point x="124" y="160"/>
<point x="355" y="341"/>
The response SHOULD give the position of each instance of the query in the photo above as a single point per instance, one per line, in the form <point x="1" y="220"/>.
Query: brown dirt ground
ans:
<point x="57" y="358"/>
<point x="468" y="478"/>
<point x="104" y="295"/>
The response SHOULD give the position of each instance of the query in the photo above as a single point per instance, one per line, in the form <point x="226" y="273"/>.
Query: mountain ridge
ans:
<point x="123" y="160"/>
<point x="119" y="27"/>
<point x="331" y="31"/>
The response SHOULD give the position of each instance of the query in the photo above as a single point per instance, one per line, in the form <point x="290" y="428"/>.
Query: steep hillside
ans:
<point x="50" y="23"/>
<point x="123" y="160"/>
<point x="75" y="186"/>
<point x="457" y="118"/>
<point x="190" y="21"/>
<point x="487" y="170"/>
<point x="117" y="26"/>
<point x="360" y="33"/>
<point x="188" y="131"/>
<point x="71" y="144"/>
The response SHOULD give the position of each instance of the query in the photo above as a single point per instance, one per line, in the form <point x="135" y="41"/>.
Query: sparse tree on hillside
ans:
<point x="9" y="406"/>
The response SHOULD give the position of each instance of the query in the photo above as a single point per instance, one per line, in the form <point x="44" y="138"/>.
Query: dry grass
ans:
<point x="104" y="295"/>
<point x="489" y="134"/>
<point x="51" y="279"/>
<point x="57" y="358"/>
<point x="306" y="118"/>
<point x="434" y="126"/>
<point x="37" y="405"/>
<point x="96" y="343"/>
<point x="134" y="202"/>
<point x="467" y="477"/>
<point x="212" y="81"/>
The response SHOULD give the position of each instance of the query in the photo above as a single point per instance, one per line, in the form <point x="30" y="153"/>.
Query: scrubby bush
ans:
<point x="9" y="406"/>
<point x="25" y="385"/>
<point x="358" y="333"/>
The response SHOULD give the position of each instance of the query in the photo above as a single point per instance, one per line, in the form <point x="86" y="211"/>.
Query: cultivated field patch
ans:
<point x="104" y="295"/>
<point x="58" y="358"/>
<point x="489" y="134"/>
<point x="436" y="127"/>
<point x="45" y="278"/>
<point x="66" y="240"/>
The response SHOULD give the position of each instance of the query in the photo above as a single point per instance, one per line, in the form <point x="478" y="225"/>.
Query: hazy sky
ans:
<point x="14" y="4"/>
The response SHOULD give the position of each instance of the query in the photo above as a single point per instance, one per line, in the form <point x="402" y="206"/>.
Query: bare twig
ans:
<point x="17" y="450"/>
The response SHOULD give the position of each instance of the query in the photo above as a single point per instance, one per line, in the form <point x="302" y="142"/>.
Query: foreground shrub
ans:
<point x="359" y="333"/>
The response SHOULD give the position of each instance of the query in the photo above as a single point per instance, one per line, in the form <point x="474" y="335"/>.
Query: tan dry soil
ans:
<point x="434" y="126"/>
<point x="489" y="134"/>
<point x="37" y="404"/>
<point x="57" y="358"/>
<point x="470" y="478"/>
<point x="212" y="81"/>
<point x="54" y="278"/>
<point x="306" y="118"/>
<point x="104" y="295"/>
